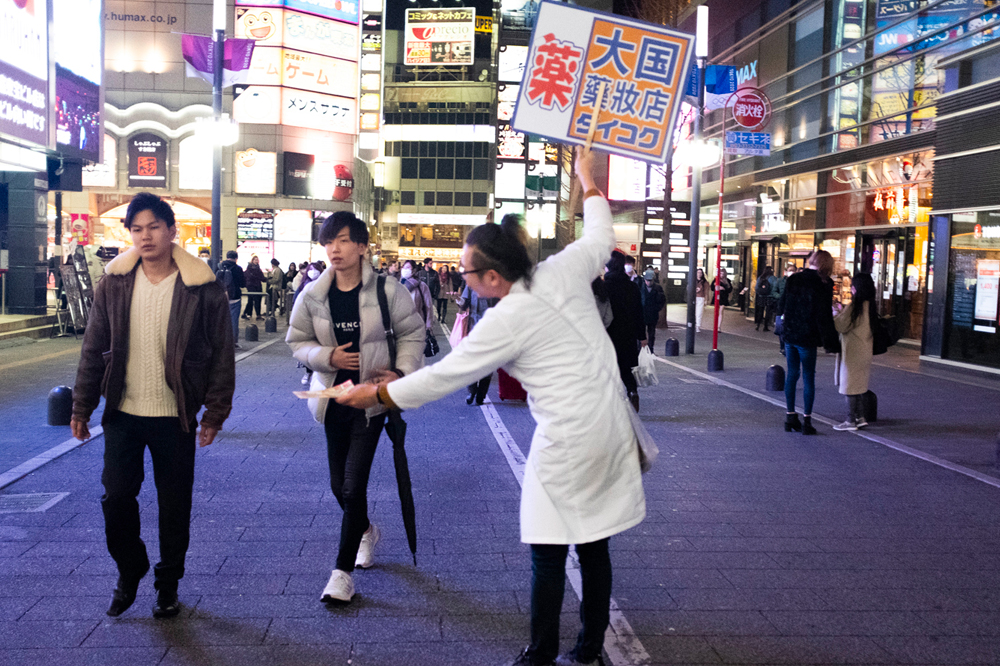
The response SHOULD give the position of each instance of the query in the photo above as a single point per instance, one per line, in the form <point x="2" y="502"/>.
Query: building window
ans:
<point x="481" y="170"/>
<point x="444" y="198"/>
<point x="462" y="198"/>
<point x="408" y="198"/>
<point x="480" y="199"/>
<point x="408" y="168"/>
<point x="463" y="169"/>
<point x="446" y="169"/>
<point x="427" y="169"/>
<point x="428" y="198"/>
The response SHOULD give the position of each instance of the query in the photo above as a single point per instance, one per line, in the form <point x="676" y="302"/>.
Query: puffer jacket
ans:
<point x="254" y="277"/>
<point x="806" y="306"/>
<point x="199" y="366"/>
<point x="312" y="338"/>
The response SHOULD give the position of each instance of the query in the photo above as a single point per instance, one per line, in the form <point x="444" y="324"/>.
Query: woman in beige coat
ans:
<point x="854" y="363"/>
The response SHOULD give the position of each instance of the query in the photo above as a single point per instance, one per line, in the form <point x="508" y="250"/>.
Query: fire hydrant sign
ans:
<point x="573" y="51"/>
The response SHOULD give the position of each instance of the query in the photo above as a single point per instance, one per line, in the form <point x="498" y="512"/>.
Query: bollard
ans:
<point x="775" y="379"/>
<point x="672" y="348"/>
<point x="715" y="360"/>
<point x="250" y="335"/>
<point x="270" y="325"/>
<point x="60" y="406"/>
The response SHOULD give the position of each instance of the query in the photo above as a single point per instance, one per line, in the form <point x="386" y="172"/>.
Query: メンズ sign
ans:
<point x="751" y="108"/>
<point x="748" y="143"/>
<point x="439" y="36"/>
<point x="147" y="161"/>
<point x="573" y="51"/>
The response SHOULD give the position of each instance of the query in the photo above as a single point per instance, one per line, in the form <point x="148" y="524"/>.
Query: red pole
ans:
<point x="718" y="251"/>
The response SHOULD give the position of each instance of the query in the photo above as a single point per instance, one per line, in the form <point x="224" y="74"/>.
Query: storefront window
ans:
<point x="973" y="286"/>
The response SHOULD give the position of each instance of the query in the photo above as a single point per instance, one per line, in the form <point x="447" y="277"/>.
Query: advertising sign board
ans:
<point x="987" y="288"/>
<point x="254" y="224"/>
<point x="256" y="171"/>
<point x="147" y="161"/>
<point x="79" y="56"/>
<point x="319" y="73"/>
<point x="303" y="32"/>
<point x="748" y="143"/>
<point x="301" y="108"/>
<point x="439" y="36"/>
<point x="573" y="51"/>
<point x="341" y="10"/>
<point x="750" y="109"/>
<point x="24" y="70"/>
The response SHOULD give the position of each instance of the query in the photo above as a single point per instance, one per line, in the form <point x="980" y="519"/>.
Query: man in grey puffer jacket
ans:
<point x="336" y="330"/>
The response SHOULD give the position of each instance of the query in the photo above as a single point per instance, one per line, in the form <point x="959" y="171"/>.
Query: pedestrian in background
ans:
<point x="419" y="292"/>
<point x="779" y="290"/>
<point x="442" y="296"/>
<point x="856" y="324"/>
<point x="700" y="297"/>
<point x="290" y="274"/>
<point x="476" y="306"/>
<point x="763" y="291"/>
<point x="806" y="308"/>
<point x="630" y="269"/>
<point x="725" y="286"/>
<point x="336" y="329"/>
<point x="275" y="284"/>
<point x="653" y="301"/>
<point x="627" y="330"/>
<point x="299" y="277"/>
<point x="233" y="281"/>
<point x="254" y="277"/>
<point x="582" y="482"/>
<point x="158" y="347"/>
<point x="457" y="283"/>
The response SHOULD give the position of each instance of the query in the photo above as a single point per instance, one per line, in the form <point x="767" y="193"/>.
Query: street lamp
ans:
<point x="701" y="54"/>
<point x="223" y="131"/>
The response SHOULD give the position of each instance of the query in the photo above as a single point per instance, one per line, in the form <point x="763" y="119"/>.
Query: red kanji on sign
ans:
<point x="553" y="77"/>
<point x="147" y="166"/>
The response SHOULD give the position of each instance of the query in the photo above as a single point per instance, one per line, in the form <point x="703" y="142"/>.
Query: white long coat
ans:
<point x="854" y="362"/>
<point x="582" y="482"/>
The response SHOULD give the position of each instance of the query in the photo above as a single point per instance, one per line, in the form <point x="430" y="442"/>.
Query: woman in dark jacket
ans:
<point x="725" y="289"/>
<point x="255" y="278"/>
<point x="806" y="307"/>
<point x="626" y="329"/>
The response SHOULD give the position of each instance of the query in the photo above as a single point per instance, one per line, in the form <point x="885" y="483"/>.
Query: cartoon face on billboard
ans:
<point x="260" y="25"/>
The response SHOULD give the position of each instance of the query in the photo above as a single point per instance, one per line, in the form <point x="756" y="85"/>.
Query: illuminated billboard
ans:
<point x="439" y="36"/>
<point x="302" y="32"/>
<point x="24" y="70"/>
<point x="341" y="10"/>
<point x="79" y="56"/>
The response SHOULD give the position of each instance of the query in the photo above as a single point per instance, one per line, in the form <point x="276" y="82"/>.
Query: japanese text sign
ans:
<point x="439" y="36"/>
<point x="748" y="143"/>
<point x="573" y="51"/>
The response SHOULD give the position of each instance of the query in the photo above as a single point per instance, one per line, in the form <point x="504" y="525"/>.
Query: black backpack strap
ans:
<point x="390" y="335"/>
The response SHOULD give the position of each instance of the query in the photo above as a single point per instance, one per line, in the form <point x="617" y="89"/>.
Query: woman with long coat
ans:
<point x="855" y="325"/>
<point x="582" y="482"/>
<point x="255" y="280"/>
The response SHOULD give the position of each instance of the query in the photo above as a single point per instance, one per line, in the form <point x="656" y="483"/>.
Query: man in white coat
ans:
<point x="582" y="482"/>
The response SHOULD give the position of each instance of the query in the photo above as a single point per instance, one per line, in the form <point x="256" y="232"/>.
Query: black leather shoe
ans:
<point x="167" y="604"/>
<point x="123" y="596"/>
<point x="471" y="399"/>
<point x="570" y="659"/>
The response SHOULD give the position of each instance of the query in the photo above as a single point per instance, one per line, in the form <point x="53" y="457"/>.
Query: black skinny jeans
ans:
<point x="651" y="337"/>
<point x="125" y="440"/>
<point x="351" y="440"/>
<point x="253" y="303"/>
<point x="481" y="388"/>
<point x="548" y="583"/>
<point x="442" y="308"/>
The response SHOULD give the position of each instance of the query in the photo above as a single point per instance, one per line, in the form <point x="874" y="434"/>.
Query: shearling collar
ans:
<point x="194" y="272"/>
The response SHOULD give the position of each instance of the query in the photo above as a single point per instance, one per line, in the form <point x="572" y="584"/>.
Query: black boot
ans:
<point x="167" y="604"/>
<point x="792" y="422"/>
<point x="470" y="399"/>
<point x="807" y="426"/>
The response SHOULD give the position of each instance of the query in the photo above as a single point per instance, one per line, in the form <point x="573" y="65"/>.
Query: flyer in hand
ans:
<point x="333" y="392"/>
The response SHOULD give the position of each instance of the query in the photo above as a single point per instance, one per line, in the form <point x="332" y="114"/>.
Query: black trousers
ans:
<point x="481" y="388"/>
<point x="625" y="370"/>
<point x="651" y="336"/>
<point x="442" y="308"/>
<point x="125" y="440"/>
<point x="253" y="303"/>
<point x="351" y="440"/>
<point x="548" y="583"/>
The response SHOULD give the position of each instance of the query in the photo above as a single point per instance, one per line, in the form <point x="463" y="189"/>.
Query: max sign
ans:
<point x="573" y="51"/>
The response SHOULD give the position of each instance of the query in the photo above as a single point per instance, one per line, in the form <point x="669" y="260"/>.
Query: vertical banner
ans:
<point x="987" y="288"/>
<point x="573" y="51"/>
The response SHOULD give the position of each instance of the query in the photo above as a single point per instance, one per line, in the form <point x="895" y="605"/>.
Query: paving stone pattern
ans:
<point x="759" y="547"/>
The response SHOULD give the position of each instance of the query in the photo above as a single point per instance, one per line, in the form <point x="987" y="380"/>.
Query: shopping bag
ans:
<point x="645" y="372"/>
<point x="459" y="330"/>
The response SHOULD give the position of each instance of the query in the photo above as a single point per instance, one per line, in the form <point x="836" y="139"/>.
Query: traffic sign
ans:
<point x="748" y="143"/>
<point x="752" y="108"/>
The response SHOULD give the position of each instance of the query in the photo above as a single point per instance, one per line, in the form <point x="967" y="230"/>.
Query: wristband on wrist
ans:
<point x="592" y="192"/>
<point x="382" y="395"/>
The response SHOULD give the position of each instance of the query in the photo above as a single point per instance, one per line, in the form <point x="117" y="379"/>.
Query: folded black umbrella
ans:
<point x="395" y="428"/>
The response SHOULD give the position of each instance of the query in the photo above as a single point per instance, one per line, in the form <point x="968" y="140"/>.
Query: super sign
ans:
<point x="573" y="51"/>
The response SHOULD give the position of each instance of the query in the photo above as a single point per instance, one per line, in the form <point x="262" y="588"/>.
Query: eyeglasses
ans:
<point x="473" y="272"/>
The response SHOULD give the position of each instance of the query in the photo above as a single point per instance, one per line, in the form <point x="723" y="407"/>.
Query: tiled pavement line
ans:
<point x="902" y="448"/>
<point x="19" y="472"/>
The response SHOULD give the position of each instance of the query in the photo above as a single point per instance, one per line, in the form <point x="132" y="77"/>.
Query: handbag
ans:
<point x="460" y="329"/>
<point x="779" y="325"/>
<point x="431" y="347"/>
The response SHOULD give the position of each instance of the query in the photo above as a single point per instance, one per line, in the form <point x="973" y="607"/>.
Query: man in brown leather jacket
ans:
<point x="158" y="346"/>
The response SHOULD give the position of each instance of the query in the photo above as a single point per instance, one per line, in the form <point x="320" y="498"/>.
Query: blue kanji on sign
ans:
<point x="625" y="98"/>
<point x="615" y="43"/>
<point x="657" y="59"/>
<point x="655" y="104"/>
<point x="589" y="95"/>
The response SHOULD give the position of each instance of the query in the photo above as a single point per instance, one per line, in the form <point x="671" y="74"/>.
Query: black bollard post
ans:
<point x="672" y="348"/>
<point x="60" y="406"/>
<point x="270" y="325"/>
<point x="250" y="335"/>
<point x="775" y="379"/>
<point x="715" y="360"/>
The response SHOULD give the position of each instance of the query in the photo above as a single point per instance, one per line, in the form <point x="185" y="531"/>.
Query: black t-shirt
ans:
<point x="346" y="316"/>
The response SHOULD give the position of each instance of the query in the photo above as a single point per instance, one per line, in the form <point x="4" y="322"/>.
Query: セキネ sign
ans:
<point x="573" y="51"/>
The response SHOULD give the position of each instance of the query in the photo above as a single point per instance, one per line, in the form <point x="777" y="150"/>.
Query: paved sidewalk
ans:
<point x="759" y="547"/>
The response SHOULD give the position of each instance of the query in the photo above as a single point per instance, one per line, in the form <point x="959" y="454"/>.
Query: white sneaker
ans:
<point x="861" y="423"/>
<point x="305" y="380"/>
<point x="846" y="425"/>
<point x="339" y="588"/>
<point x="366" y="551"/>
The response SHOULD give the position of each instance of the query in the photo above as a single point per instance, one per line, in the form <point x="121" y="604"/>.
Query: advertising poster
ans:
<point x="147" y="161"/>
<point x="341" y="10"/>
<point x="510" y="67"/>
<point x="104" y="174"/>
<point x="439" y="36"/>
<point x="987" y="288"/>
<point x="79" y="56"/>
<point x="319" y="73"/>
<point x="256" y="172"/>
<point x="254" y="224"/>
<point x="301" y="108"/>
<point x="573" y="51"/>
<point x="24" y="69"/>
<point x="273" y="26"/>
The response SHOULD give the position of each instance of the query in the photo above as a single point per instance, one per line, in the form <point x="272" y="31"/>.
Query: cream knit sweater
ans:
<point x="146" y="390"/>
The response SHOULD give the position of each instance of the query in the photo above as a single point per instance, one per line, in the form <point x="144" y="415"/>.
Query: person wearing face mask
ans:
<point x="630" y="269"/>
<point x="419" y="292"/>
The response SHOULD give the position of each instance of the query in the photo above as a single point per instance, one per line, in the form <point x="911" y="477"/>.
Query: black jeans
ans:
<point x="351" y="440"/>
<point x="125" y="440"/>
<point x="253" y="303"/>
<point x="625" y="370"/>
<point x="442" y="308"/>
<point x="481" y="388"/>
<point x="651" y="336"/>
<point x="548" y="582"/>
